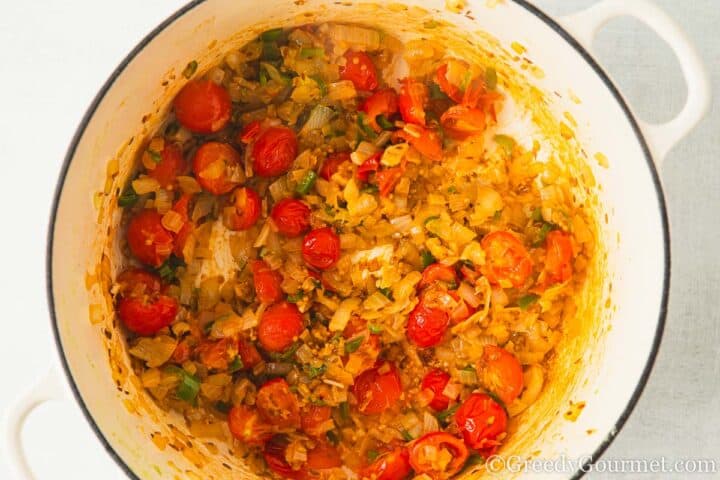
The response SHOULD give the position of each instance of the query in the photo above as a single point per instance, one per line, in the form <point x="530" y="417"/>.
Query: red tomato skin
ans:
<point x="439" y="440"/>
<point x="507" y="259"/>
<point x="424" y="140"/>
<point x="170" y="165"/>
<point x="411" y="101"/>
<point x="501" y="373"/>
<point x="277" y="404"/>
<point x="247" y="426"/>
<point x="481" y="420"/>
<point x="321" y="248"/>
<point x="323" y="457"/>
<point x="203" y="106"/>
<point x="274" y="455"/>
<point x="147" y="238"/>
<point x="461" y="122"/>
<point x="377" y="392"/>
<point x="449" y="89"/>
<point x="207" y="154"/>
<point x="371" y="165"/>
<point x="426" y="326"/>
<point x="314" y="416"/>
<point x="249" y="132"/>
<point x="274" y="151"/>
<point x="332" y="163"/>
<point x="382" y="102"/>
<point x="360" y="70"/>
<point x="146" y="319"/>
<point x="136" y="282"/>
<point x="291" y="217"/>
<point x="436" y="380"/>
<point x="267" y="282"/>
<point x="437" y="272"/>
<point x="394" y="465"/>
<point x="246" y="205"/>
<point x="388" y="178"/>
<point x="248" y="354"/>
<point x="558" y="261"/>
<point x="278" y="327"/>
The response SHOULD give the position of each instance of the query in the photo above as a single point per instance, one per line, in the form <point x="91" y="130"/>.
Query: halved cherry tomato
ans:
<point x="147" y="238"/>
<point x="394" y="465"/>
<point x="437" y="272"/>
<point x="322" y="457"/>
<point x="249" y="132"/>
<point x="279" y="325"/>
<point x="274" y="151"/>
<point x="267" y="282"/>
<point x="436" y="380"/>
<point x="203" y="106"/>
<point x="388" y="178"/>
<point x="244" y="210"/>
<point x="181" y="207"/>
<point x="461" y="122"/>
<point x="277" y="404"/>
<point x="216" y="354"/>
<point x="247" y="426"/>
<point x="482" y="422"/>
<point x="313" y="417"/>
<point x="501" y="373"/>
<point x="382" y="102"/>
<point x="332" y="163"/>
<point x="274" y="455"/>
<point x="424" y="140"/>
<point x="321" y="248"/>
<point x="507" y="261"/>
<point x="426" y="325"/>
<point x="291" y="217"/>
<point x="452" y="91"/>
<point x="214" y="164"/>
<point x="248" y="354"/>
<point x="474" y="92"/>
<point x="411" y="101"/>
<point x="360" y="70"/>
<point x="170" y="165"/>
<point x="141" y="307"/>
<point x="377" y="389"/>
<point x="371" y="165"/>
<point x="425" y="455"/>
<point x="558" y="261"/>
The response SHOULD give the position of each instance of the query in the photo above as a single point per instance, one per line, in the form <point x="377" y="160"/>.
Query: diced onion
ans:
<point x="342" y="315"/>
<point x="394" y="154"/>
<point x="342" y="90"/>
<point x="189" y="185"/>
<point x="319" y="116"/>
<point x="172" y="221"/>
<point x="355" y="35"/>
<point x="143" y="185"/>
<point x="467" y="293"/>
<point x="363" y="151"/>
<point x="452" y="390"/>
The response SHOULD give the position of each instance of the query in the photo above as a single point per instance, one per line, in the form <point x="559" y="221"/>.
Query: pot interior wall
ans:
<point x="599" y="361"/>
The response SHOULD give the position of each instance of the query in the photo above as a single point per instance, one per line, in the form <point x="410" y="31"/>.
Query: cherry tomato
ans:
<point x="448" y="88"/>
<point x="424" y="140"/>
<point x="274" y="151"/>
<point x="274" y="455"/>
<point x="394" y="465"/>
<point x="482" y="422"/>
<point x="388" y="178"/>
<point x="279" y="325"/>
<point x="313" y="417"/>
<point x="267" y="282"/>
<point x="248" y="354"/>
<point x="214" y="164"/>
<point x="170" y="165"/>
<point x="321" y="248"/>
<point x="474" y="92"/>
<point x="245" y="209"/>
<point x="277" y="404"/>
<point x="411" y="101"/>
<point x="360" y="70"/>
<point x="203" y="106"/>
<point x="147" y="238"/>
<point x="558" y="261"/>
<point x="216" y="354"/>
<point x="247" y="426"/>
<point x="249" y="132"/>
<point x="332" y="163"/>
<point x="436" y="380"/>
<point x="181" y="353"/>
<point x="181" y="237"/>
<point x="322" y="457"/>
<point x="461" y="122"/>
<point x="383" y="102"/>
<point x="291" y="217"/>
<point x="141" y="307"/>
<point x="425" y="451"/>
<point x="437" y="272"/>
<point x="377" y="389"/>
<point x="426" y="325"/>
<point x="507" y="261"/>
<point x="501" y="373"/>
<point x="371" y="165"/>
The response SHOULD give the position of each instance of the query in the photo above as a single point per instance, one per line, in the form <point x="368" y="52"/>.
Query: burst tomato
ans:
<point x="321" y="248"/>
<point x="291" y="217"/>
<point x="482" y="422"/>
<point x="377" y="389"/>
<point x="141" y="307"/>
<point x="274" y="151"/>
<point x="267" y="282"/>
<point x="383" y="102"/>
<point x="558" y="260"/>
<point x="248" y="353"/>
<point x="216" y="354"/>
<point x="507" y="261"/>
<point x="274" y="455"/>
<point x="451" y="90"/>
<point x="461" y="122"/>
<point x="244" y="209"/>
<point x="247" y="426"/>
<point x="170" y="166"/>
<point x="249" y="132"/>
<point x="279" y="325"/>
<point x="147" y="238"/>
<point x="394" y="465"/>
<point x="371" y="165"/>
<point x="203" y="106"/>
<point x="388" y="178"/>
<point x="277" y="404"/>
<point x="322" y="457"/>
<point x="437" y="272"/>
<point x="313" y="418"/>
<point x="332" y="163"/>
<point x="501" y="373"/>
<point x="360" y="70"/>
<point x="427" y="325"/>
<point x="424" y="140"/>
<point x="214" y="165"/>
<point x="425" y="451"/>
<point x="436" y="380"/>
<point x="411" y="101"/>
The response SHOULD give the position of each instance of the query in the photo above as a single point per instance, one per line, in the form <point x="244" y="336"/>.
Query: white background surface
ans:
<point x="55" y="55"/>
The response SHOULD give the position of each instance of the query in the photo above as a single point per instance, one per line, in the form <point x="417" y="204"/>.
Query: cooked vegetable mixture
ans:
<point x="341" y="271"/>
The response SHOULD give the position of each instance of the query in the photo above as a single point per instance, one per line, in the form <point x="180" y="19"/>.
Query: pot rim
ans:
<point x="540" y="15"/>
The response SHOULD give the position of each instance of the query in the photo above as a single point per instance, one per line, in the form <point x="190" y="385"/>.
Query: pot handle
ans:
<point x="47" y="389"/>
<point x="584" y="26"/>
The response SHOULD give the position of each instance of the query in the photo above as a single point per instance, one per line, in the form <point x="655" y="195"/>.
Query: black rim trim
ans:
<point x="619" y="424"/>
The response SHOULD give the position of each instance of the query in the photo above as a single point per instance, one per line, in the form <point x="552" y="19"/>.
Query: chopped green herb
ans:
<point x="189" y="385"/>
<point x="384" y="123"/>
<point x="386" y="291"/>
<point x="352" y="345"/>
<point x="491" y="78"/>
<point x="427" y="258"/>
<point x="497" y="215"/>
<point x="287" y="354"/>
<point x="452" y="189"/>
<point x="306" y="183"/>
<point x="542" y="234"/>
<point x="172" y="129"/>
<point x="372" y="455"/>
<point x="364" y="127"/>
<point x="272" y="35"/>
<point x="445" y="416"/>
<point x="270" y="51"/>
<point x="436" y="92"/>
<point x="296" y="297"/>
<point x="321" y="84"/>
<point x="370" y="188"/>
<point x="345" y="411"/>
<point x="376" y="329"/>
<point x="208" y="326"/>
<point x="496" y="399"/>
<point x="527" y="300"/>
<point x="536" y="215"/>
<point x="236" y="365"/>
<point x="223" y="407"/>
<point x="332" y="437"/>
<point x="262" y="78"/>
<point x="329" y="210"/>
<point x="190" y="69"/>
<point x="318" y="402"/>
<point x="168" y="270"/>
<point x="506" y="142"/>
<point x="128" y="197"/>
<point x="312" y="52"/>
<point x="430" y="219"/>
<point x="314" y="372"/>
<point x="155" y="156"/>
<point x="407" y="436"/>
<point x="473" y="460"/>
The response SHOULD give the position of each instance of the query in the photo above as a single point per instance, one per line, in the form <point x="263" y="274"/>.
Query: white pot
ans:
<point x="605" y="363"/>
